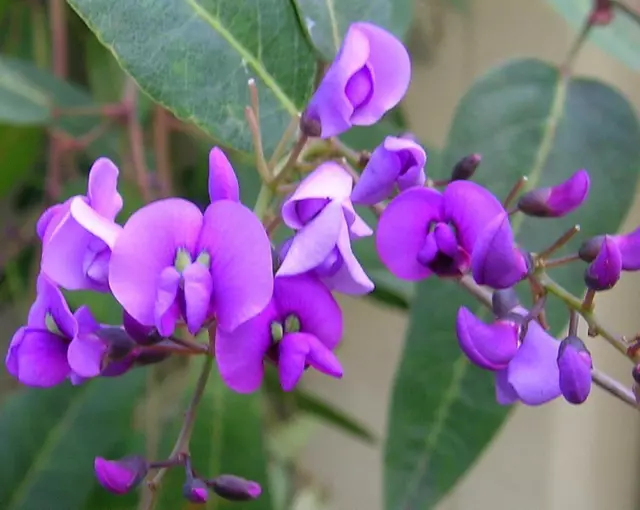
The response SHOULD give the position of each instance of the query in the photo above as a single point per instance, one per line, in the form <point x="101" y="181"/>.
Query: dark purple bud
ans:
<point x="144" y="335"/>
<point x="635" y="373"/>
<point x="556" y="201"/>
<point x="604" y="271"/>
<point x="234" y="488"/>
<point x="150" y="357"/>
<point x="504" y="301"/>
<point x="490" y="346"/>
<point x="310" y="125"/>
<point x="590" y="248"/>
<point x="496" y="261"/>
<point x="574" y="365"/>
<point x="466" y="167"/>
<point x="196" y="491"/>
<point x="120" y="476"/>
<point x="119" y="342"/>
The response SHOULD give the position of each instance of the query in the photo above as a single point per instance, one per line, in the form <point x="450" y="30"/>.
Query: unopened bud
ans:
<point x="119" y="342"/>
<point x="120" y="476"/>
<point x="590" y="248"/>
<point x="556" y="201"/>
<point x="234" y="488"/>
<point x="466" y="167"/>
<point x="150" y="357"/>
<point x="143" y="335"/>
<point x="310" y="126"/>
<point x="636" y="374"/>
<point x="196" y="491"/>
<point x="601" y="13"/>
<point x="504" y="301"/>
<point x="604" y="272"/>
<point x="574" y="365"/>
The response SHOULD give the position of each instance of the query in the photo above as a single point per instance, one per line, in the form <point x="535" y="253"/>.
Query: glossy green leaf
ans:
<point x="63" y="95"/>
<point x="50" y="438"/>
<point x="227" y="438"/>
<point x="20" y="102"/>
<point x="318" y="408"/>
<point x="20" y="147"/>
<point x="326" y="21"/>
<point x="195" y="57"/>
<point x="524" y="119"/>
<point x="621" y="38"/>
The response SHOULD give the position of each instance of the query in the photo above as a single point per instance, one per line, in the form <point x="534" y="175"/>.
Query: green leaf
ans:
<point x="63" y="95"/>
<point x="326" y="21"/>
<point x="20" y="102"/>
<point x="318" y="408"/>
<point x="195" y="58"/>
<point x="621" y="38"/>
<point x="524" y="119"/>
<point x="50" y="438"/>
<point x="227" y="438"/>
<point x="20" y="147"/>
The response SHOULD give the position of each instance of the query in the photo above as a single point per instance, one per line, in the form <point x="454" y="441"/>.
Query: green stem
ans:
<point x="263" y="201"/>
<point x="575" y="303"/>
<point x="181" y="445"/>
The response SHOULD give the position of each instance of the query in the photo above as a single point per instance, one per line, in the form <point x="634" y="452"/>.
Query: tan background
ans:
<point x="555" y="457"/>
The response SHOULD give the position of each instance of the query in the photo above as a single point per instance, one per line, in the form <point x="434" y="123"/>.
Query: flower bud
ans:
<point x="234" y="488"/>
<point x="590" y="248"/>
<point x="310" y="125"/>
<point x="601" y="13"/>
<point x="504" y="301"/>
<point x="490" y="346"/>
<point x="604" y="271"/>
<point x="574" y="365"/>
<point x="150" y="357"/>
<point x="466" y="167"/>
<point x="120" y="476"/>
<point x="144" y="335"/>
<point x="635" y="373"/>
<point x="196" y="491"/>
<point x="556" y="201"/>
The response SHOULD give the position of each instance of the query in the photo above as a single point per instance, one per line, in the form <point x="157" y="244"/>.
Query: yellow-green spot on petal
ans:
<point x="277" y="331"/>
<point x="183" y="259"/>
<point x="205" y="259"/>
<point x="292" y="324"/>
<point x="51" y="324"/>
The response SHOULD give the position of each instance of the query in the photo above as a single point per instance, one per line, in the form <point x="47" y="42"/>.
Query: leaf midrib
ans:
<point x="253" y="61"/>
<point x="556" y="110"/>
<point x="49" y="445"/>
<point x="15" y="83"/>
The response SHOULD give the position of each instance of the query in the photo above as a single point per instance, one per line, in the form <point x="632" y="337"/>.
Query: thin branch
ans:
<point x="136" y="140"/>
<point x="614" y="388"/>
<point x="559" y="243"/>
<point x="161" y="148"/>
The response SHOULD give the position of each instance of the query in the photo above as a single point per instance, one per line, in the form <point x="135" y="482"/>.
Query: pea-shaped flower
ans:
<point x="397" y="161"/>
<point x="558" y="200"/>
<point x="299" y="328"/>
<point x="369" y="76"/>
<point x="77" y="236"/>
<point x="604" y="272"/>
<point x="423" y="232"/>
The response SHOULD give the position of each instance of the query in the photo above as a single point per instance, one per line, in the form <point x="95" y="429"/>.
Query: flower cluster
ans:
<point x="173" y="267"/>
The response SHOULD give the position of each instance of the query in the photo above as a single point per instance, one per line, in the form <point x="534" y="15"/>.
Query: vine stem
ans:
<point x="600" y="379"/>
<point x="181" y="445"/>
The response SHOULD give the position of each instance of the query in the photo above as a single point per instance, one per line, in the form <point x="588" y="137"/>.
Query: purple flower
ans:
<point x="37" y="353"/>
<point x="171" y="261"/>
<point x="223" y="183"/>
<point x="490" y="346"/>
<point x="423" y="231"/>
<point x="556" y="201"/>
<point x="300" y="327"/>
<point x="627" y="244"/>
<point x="398" y="161"/>
<point x="234" y="488"/>
<point x="196" y="491"/>
<point x="100" y="350"/>
<point x="322" y="213"/>
<point x="369" y="76"/>
<point x="604" y="272"/>
<point x="120" y="476"/>
<point x="496" y="261"/>
<point x="532" y="376"/>
<point x="77" y="235"/>
<point x="574" y="364"/>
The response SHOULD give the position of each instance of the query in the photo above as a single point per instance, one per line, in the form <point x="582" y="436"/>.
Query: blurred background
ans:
<point x="554" y="457"/>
